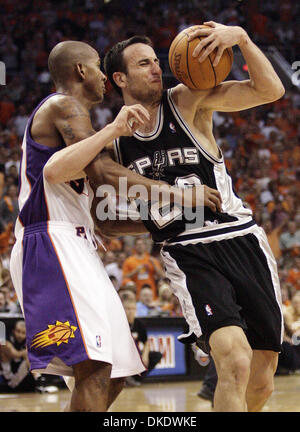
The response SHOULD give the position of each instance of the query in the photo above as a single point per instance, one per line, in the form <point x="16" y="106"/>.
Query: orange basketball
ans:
<point x="187" y="68"/>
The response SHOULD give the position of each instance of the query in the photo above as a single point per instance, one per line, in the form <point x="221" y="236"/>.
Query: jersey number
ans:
<point x="165" y="214"/>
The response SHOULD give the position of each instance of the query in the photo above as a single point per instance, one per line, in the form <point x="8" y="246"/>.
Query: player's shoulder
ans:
<point x="66" y="106"/>
<point x="185" y="97"/>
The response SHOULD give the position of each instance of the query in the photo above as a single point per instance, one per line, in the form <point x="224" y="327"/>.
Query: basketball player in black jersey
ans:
<point x="223" y="272"/>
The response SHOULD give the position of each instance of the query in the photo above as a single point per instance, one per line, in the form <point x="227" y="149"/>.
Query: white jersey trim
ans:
<point x="189" y="133"/>
<point x="265" y="247"/>
<point x="179" y="287"/>
<point x="211" y="233"/>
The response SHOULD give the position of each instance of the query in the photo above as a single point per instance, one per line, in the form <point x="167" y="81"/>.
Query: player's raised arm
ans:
<point x="263" y="86"/>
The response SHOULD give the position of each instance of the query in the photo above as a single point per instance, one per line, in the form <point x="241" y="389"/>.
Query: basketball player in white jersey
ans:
<point x="75" y="323"/>
<point x="224" y="272"/>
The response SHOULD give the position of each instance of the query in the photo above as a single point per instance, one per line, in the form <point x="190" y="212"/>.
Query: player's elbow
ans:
<point x="275" y="92"/>
<point x="278" y="92"/>
<point x="49" y="174"/>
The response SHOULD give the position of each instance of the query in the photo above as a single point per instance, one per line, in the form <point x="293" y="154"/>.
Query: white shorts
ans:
<point x="72" y="311"/>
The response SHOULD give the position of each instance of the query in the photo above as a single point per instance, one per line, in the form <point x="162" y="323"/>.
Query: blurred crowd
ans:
<point x="261" y="146"/>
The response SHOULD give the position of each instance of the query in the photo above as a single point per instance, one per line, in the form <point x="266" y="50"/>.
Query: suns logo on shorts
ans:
<point x="57" y="333"/>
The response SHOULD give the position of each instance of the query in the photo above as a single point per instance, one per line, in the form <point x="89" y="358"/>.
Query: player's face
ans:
<point x="144" y="75"/>
<point x="95" y="79"/>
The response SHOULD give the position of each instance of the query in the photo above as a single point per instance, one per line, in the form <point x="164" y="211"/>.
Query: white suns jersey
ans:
<point x="40" y="201"/>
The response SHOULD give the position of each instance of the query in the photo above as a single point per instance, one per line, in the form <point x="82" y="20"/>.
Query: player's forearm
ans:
<point x="106" y="171"/>
<point x="117" y="228"/>
<point x="65" y="164"/>
<point x="263" y="77"/>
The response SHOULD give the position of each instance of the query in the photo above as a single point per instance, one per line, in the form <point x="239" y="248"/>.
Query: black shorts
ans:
<point x="228" y="282"/>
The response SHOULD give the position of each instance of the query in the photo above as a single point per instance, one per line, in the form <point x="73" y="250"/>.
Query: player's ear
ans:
<point x="80" y="70"/>
<point x="120" y="79"/>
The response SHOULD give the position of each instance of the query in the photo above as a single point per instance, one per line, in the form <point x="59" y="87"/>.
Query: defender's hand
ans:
<point x="216" y="36"/>
<point x="129" y="119"/>
<point x="211" y="198"/>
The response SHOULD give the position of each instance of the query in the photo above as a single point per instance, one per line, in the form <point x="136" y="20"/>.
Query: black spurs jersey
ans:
<point x="172" y="154"/>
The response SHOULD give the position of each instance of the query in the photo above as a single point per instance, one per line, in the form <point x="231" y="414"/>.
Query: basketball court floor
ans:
<point x="158" y="397"/>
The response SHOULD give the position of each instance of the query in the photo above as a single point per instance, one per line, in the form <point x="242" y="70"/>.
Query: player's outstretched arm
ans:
<point x="73" y="123"/>
<point x="105" y="171"/>
<point x="264" y="85"/>
<point x="114" y="229"/>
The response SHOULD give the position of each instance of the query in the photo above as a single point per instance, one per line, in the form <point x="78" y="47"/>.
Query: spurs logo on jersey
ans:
<point x="180" y="159"/>
<point x="162" y="159"/>
<point x="158" y="164"/>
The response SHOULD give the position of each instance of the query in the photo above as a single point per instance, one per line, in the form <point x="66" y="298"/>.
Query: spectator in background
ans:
<point x="164" y="301"/>
<point x="139" y="334"/>
<point x="15" y="375"/>
<point x="289" y="358"/>
<point x="290" y="239"/>
<point x="273" y="237"/>
<point x="109" y="258"/>
<point x="11" y="306"/>
<point x="142" y="268"/>
<point x="7" y="109"/>
<point x="292" y="316"/>
<point x="114" y="282"/>
<point x="13" y="160"/>
<point x="5" y="233"/>
<point x="3" y="305"/>
<point x="146" y="306"/>
<point x="115" y="268"/>
<point x="293" y="274"/>
<point x="20" y="121"/>
<point x="174" y="308"/>
<point x="9" y="207"/>
<point x="127" y="290"/>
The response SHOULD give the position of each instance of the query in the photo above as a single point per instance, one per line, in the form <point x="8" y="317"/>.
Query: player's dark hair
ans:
<point x="114" y="60"/>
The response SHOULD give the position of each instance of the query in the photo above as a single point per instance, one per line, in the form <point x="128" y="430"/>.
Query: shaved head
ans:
<point x="65" y="57"/>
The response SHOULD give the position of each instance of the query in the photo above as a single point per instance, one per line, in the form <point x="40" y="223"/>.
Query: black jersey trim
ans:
<point x="185" y="127"/>
<point x="156" y="133"/>
<point x="212" y="233"/>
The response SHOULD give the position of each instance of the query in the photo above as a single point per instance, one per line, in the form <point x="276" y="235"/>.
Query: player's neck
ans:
<point x="75" y="92"/>
<point x="151" y="107"/>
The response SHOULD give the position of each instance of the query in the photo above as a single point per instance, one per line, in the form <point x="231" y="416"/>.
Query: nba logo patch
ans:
<point x="172" y="127"/>
<point x="98" y="341"/>
<point x="208" y="310"/>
